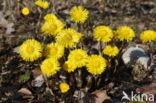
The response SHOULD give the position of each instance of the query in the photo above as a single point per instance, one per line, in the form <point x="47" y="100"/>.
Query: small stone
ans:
<point x="135" y="54"/>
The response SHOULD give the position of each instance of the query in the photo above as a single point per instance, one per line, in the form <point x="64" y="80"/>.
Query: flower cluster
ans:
<point x="67" y="39"/>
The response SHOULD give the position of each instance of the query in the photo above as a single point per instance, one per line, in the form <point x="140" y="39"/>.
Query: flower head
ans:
<point x="96" y="64"/>
<point x="50" y="66"/>
<point x="148" y="36"/>
<point x="30" y="50"/>
<point x="69" y="66"/>
<point x="25" y="11"/>
<point x="111" y="50"/>
<point x="64" y="87"/>
<point x="78" y="56"/>
<point x="50" y="17"/>
<point x="103" y="33"/>
<point x="79" y="14"/>
<point x="125" y="33"/>
<point x="68" y="37"/>
<point x="52" y="27"/>
<point x="43" y="4"/>
<point x="54" y="50"/>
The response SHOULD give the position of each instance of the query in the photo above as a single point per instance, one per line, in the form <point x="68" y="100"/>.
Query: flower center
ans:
<point x="78" y="15"/>
<point x="49" y="65"/>
<point x="104" y="32"/>
<point x="97" y="64"/>
<point x="68" y="37"/>
<point x="30" y="49"/>
<point x="53" y="27"/>
<point x="78" y="57"/>
<point x="53" y="50"/>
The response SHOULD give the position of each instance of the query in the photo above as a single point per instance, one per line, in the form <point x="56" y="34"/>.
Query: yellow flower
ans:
<point x="148" y="36"/>
<point x="96" y="64"/>
<point x="111" y="50"/>
<point x="125" y="33"/>
<point x="30" y="50"/>
<point x="79" y="14"/>
<point x="52" y="27"/>
<point x="43" y="4"/>
<point x="103" y="33"/>
<point x="79" y="57"/>
<point x="25" y="11"/>
<point x="68" y="37"/>
<point x="50" y="66"/>
<point x="54" y="51"/>
<point x="64" y="87"/>
<point x="69" y="66"/>
<point x="50" y="17"/>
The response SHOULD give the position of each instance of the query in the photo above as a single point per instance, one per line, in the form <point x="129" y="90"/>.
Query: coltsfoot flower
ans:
<point x="64" y="87"/>
<point x="52" y="27"/>
<point x="50" y="66"/>
<point x="30" y="50"/>
<point x="103" y="33"/>
<point x="69" y="66"/>
<point x="148" y="36"/>
<point x="42" y="4"/>
<point x="25" y="11"/>
<point x="50" y="17"/>
<point x="111" y="50"/>
<point x="54" y="50"/>
<point x="96" y="64"/>
<point x="68" y="38"/>
<point x="79" y="14"/>
<point x="125" y="33"/>
<point x="79" y="57"/>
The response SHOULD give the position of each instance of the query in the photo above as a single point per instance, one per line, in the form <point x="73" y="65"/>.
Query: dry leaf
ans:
<point x="148" y="89"/>
<point x="16" y="50"/>
<point x="39" y="80"/>
<point x="79" y="94"/>
<point x="6" y="24"/>
<point x="101" y="96"/>
<point x="36" y="72"/>
<point x="25" y="91"/>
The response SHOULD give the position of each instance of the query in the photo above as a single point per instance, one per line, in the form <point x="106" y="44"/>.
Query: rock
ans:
<point x="135" y="55"/>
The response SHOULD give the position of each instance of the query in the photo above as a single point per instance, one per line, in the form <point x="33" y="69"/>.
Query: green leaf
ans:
<point x="25" y="77"/>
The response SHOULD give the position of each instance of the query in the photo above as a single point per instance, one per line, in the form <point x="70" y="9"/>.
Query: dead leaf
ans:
<point x="16" y="50"/>
<point x="79" y="94"/>
<point x="9" y="28"/>
<point x="148" y="89"/>
<point x="101" y="96"/>
<point x="6" y="24"/>
<point x="25" y="91"/>
<point x="62" y="102"/>
<point x="27" y="96"/>
<point x="36" y="72"/>
<point x="39" y="80"/>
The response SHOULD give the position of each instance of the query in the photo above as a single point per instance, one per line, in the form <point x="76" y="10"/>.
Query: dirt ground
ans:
<point x="17" y="77"/>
